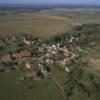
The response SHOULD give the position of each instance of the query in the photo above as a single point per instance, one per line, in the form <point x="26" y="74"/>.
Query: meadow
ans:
<point x="12" y="88"/>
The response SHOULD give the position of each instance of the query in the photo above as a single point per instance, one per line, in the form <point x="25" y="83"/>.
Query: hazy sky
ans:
<point x="93" y="2"/>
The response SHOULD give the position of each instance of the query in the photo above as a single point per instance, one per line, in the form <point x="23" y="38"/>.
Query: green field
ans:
<point x="11" y="88"/>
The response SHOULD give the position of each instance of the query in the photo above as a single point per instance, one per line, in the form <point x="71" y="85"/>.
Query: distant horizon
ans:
<point x="43" y="4"/>
<point x="47" y="5"/>
<point x="50" y="2"/>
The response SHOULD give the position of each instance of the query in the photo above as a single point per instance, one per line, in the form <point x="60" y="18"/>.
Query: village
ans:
<point x="65" y="64"/>
<point x="36" y="55"/>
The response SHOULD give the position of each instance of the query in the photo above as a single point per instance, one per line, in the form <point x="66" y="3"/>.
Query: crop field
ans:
<point x="39" y="25"/>
<point x="78" y="16"/>
<point x="45" y="23"/>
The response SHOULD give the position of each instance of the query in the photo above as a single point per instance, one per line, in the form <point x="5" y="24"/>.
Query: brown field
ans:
<point x="39" y="25"/>
<point x="81" y="16"/>
<point x="45" y="23"/>
<point x="95" y="63"/>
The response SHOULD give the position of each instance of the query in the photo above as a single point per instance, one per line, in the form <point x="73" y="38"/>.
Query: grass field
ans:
<point x="11" y="88"/>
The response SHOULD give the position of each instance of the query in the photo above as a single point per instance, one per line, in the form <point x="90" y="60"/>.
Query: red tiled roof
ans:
<point x="23" y="54"/>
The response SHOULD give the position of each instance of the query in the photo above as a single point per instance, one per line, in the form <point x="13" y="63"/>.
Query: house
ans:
<point x="41" y="67"/>
<point x="47" y="55"/>
<point x="65" y="49"/>
<point x="67" y="69"/>
<point x="49" y="49"/>
<point x="28" y="65"/>
<point x="40" y="49"/>
<point x="28" y="42"/>
<point x="58" y="45"/>
<point x="22" y="54"/>
<point x="48" y="61"/>
<point x="53" y="50"/>
<point x="54" y="47"/>
<point x="66" y="52"/>
<point x="81" y="50"/>
<point x="25" y="54"/>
